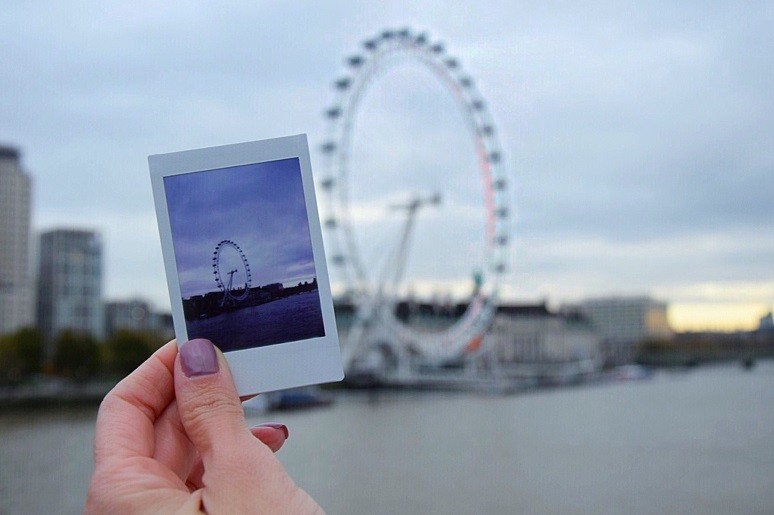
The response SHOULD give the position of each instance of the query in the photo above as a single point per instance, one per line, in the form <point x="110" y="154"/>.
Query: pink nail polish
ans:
<point x="281" y="427"/>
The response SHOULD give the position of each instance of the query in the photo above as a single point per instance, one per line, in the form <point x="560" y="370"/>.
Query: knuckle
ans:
<point x="207" y="408"/>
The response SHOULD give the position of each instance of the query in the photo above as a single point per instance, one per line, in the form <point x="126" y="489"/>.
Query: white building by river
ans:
<point x="533" y="334"/>
<point x="532" y="342"/>
<point x="526" y="341"/>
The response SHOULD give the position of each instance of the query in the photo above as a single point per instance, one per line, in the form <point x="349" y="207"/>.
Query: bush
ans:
<point x="77" y="356"/>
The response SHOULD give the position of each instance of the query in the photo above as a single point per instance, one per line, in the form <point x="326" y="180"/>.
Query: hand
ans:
<point x="171" y="437"/>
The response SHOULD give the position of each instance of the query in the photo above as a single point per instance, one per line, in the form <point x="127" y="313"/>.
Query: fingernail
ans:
<point x="198" y="358"/>
<point x="281" y="427"/>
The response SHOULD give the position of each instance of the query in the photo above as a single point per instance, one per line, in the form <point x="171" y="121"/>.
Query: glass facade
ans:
<point x="70" y="283"/>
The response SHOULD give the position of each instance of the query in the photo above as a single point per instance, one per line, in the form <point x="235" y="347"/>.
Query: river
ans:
<point x="698" y="441"/>
<point x="297" y="317"/>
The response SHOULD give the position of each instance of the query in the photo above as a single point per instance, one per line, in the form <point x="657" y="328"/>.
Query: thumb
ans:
<point x="207" y="401"/>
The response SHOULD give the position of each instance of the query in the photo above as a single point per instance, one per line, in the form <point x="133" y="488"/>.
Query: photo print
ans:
<point x="245" y="260"/>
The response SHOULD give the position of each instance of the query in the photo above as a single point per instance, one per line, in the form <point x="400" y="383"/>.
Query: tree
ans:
<point x="127" y="350"/>
<point x="10" y="366"/>
<point x="21" y="355"/>
<point x="77" y="355"/>
<point x="29" y="344"/>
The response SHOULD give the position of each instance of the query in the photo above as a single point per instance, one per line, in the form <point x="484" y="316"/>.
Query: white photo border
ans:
<point x="270" y="367"/>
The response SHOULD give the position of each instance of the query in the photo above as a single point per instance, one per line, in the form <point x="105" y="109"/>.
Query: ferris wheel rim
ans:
<point x="216" y="269"/>
<point x="364" y="69"/>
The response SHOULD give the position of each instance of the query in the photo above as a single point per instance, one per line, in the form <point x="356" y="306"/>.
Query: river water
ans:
<point x="297" y="317"/>
<point x="700" y="441"/>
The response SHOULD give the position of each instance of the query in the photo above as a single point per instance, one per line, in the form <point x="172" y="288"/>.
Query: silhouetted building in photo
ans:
<point x="16" y="282"/>
<point x="274" y="288"/>
<point x="136" y="315"/>
<point x="217" y="302"/>
<point x="624" y="323"/>
<point x="70" y="283"/>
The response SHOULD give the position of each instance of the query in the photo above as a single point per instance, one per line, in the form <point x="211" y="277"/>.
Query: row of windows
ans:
<point x="79" y="289"/>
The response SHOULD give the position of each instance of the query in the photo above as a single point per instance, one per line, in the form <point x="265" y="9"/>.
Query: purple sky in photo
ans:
<point x="260" y="207"/>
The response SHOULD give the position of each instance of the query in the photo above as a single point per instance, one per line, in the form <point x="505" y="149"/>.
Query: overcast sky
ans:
<point x="639" y="135"/>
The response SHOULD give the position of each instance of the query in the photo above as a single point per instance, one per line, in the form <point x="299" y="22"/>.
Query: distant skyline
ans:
<point x="638" y="134"/>
<point x="260" y="207"/>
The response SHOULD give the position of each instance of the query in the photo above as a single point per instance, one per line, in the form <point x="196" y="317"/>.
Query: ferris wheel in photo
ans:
<point x="232" y="272"/>
<point x="375" y="290"/>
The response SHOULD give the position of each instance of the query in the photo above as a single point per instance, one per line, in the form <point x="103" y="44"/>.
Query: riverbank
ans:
<point x="45" y="391"/>
<point x="48" y="391"/>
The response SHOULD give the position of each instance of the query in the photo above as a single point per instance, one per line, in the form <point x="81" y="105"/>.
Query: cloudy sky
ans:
<point x="638" y="135"/>
<point x="258" y="207"/>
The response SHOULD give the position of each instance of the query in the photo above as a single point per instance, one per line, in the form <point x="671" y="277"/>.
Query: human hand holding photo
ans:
<point x="171" y="437"/>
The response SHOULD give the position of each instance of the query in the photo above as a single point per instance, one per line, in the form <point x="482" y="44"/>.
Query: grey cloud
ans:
<point x="623" y="124"/>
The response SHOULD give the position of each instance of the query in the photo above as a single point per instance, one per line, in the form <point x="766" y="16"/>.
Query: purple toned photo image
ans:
<point x="244" y="255"/>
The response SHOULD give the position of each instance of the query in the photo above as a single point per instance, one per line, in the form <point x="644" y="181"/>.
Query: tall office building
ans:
<point x="16" y="302"/>
<point x="70" y="283"/>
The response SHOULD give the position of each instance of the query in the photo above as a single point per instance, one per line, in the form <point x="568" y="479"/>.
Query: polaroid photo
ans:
<point x="243" y="253"/>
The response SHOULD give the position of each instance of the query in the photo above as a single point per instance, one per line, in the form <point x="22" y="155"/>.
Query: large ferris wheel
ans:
<point x="232" y="272"/>
<point x="375" y="308"/>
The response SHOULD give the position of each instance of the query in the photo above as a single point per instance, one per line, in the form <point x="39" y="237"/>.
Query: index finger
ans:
<point x="125" y="423"/>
